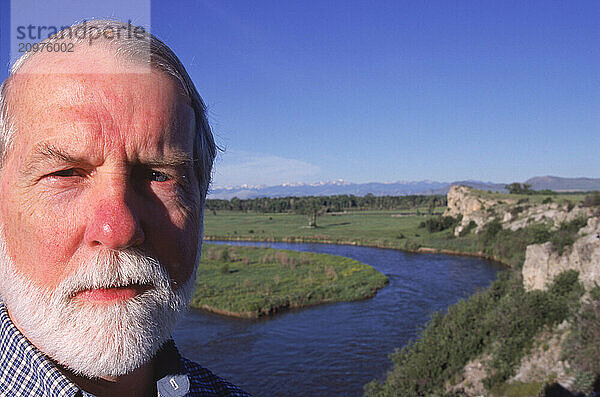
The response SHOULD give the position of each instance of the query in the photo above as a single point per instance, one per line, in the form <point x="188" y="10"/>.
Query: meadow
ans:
<point x="406" y="229"/>
<point x="377" y="228"/>
<point x="501" y="321"/>
<point x="252" y="282"/>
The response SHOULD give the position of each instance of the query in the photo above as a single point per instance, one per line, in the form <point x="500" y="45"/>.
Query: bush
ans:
<point x="501" y="321"/>
<point x="439" y="223"/>
<point x="566" y="285"/>
<point x="225" y="255"/>
<point x="490" y="231"/>
<point x="584" y="381"/>
<point x="514" y="211"/>
<point x="566" y="234"/>
<point x="591" y="200"/>
<point x="468" y="229"/>
<point x="509" y="245"/>
<point x="583" y="345"/>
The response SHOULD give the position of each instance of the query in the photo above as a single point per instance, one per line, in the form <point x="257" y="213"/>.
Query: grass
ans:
<point x="252" y="282"/>
<point x="518" y="389"/>
<point x="500" y="321"/>
<point x="380" y="228"/>
<point x="560" y="198"/>
<point x="387" y="229"/>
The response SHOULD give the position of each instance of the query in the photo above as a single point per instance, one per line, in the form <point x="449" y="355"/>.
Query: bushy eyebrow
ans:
<point x="46" y="152"/>
<point x="173" y="160"/>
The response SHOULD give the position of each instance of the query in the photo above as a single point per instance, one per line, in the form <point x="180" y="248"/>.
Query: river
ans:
<point x="332" y="350"/>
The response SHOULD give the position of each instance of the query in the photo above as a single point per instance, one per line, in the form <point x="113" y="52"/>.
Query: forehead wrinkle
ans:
<point x="46" y="151"/>
<point x="109" y="115"/>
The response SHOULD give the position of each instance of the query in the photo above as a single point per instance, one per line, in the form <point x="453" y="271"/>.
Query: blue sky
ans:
<point x="303" y="91"/>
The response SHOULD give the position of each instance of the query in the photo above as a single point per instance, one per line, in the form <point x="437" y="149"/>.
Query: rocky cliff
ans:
<point x="481" y="207"/>
<point x="543" y="263"/>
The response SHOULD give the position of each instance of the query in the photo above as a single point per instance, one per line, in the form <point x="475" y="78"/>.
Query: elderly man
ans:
<point x="105" y="163"/>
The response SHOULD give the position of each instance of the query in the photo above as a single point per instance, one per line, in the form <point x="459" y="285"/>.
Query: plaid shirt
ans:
<point x="25" y="371"/>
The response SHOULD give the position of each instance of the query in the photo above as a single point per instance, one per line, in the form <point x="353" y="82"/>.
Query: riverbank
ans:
<point x="250" y="282"/>
<point x="310" y="240"/>
<point x="322" y="343"/>
<point x="494" y="329"/>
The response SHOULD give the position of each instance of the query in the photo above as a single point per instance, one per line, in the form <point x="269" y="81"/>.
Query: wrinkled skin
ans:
<point x="101" y="160"/>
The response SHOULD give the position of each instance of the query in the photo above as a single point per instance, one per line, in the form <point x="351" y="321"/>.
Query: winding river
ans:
<point x="333" y="350"/>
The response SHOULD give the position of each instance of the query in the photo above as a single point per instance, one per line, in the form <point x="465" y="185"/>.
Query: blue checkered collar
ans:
<point x="26" y="371"/>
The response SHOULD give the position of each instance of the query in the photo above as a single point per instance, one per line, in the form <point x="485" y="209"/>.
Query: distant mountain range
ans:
<point x="394" y="189"/>
<point x="564" y="184"/>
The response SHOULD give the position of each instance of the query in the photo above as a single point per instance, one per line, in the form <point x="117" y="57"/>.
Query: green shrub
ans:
<point x="444" y="347"/>
<point x="520" y="315"/>
<point x="490" y="231"/>
<point x="225" y="255"/>
<point x="468" y="229"/>
<point x="583" y="345"/>
<point x="566" y="234"/>
<point x="511" y="245"/>
<point x="439" y="223"/>
<point x="501" y="320"/>
<point x="566" y="284"/>
<point x="514" y="211"/>
<point x="584" y="381"/>
<point x="538" y="234"/>
<point x="591" y="200"/>
<point x="519" y="389"/>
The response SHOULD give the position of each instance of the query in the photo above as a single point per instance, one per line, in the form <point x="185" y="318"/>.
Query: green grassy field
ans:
<point x="370" y="228"/>
<point x="380" y="228"/>
<point x="501" y="320"/>
<point x="560" y="198"/>
<point x="252" y="282"/>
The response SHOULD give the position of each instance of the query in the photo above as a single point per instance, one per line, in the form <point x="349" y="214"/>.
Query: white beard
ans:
<point x="97" y="340"/>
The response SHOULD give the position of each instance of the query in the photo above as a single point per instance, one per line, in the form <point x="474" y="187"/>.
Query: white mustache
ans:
<point x="112" y="269"/>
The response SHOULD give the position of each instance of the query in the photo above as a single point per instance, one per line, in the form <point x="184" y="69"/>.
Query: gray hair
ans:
<point x="141" y="46"/>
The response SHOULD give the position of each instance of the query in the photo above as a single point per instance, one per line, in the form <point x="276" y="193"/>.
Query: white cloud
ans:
<point x="234" y="168"/>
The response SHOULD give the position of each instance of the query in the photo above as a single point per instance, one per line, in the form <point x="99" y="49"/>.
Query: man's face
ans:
<point x="100" y="162"/>
<point x="100" y="214"/>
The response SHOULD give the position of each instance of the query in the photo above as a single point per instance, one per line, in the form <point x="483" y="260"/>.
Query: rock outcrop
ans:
<point x="553" y="214"/>
<point x="544" y="362"/>
<point x="542" y="263"/>
<point x="475" y="205"/>
<point x="545" y="357"/>
<point x="471" y="205"/>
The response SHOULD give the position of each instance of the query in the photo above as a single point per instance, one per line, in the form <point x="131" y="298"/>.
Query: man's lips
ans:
<point x="112" y="294"/>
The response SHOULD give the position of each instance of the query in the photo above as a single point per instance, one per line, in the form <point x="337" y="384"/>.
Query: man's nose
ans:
<point x="114" y="221"/>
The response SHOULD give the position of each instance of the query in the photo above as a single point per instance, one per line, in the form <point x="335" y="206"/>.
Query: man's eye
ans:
<point x="66" y="173"/>
<point x="158" y="176"/>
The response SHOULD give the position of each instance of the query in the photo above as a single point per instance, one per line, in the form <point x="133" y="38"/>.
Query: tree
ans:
<point x="312" y="209"/>
<point x="517" y="188"/>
